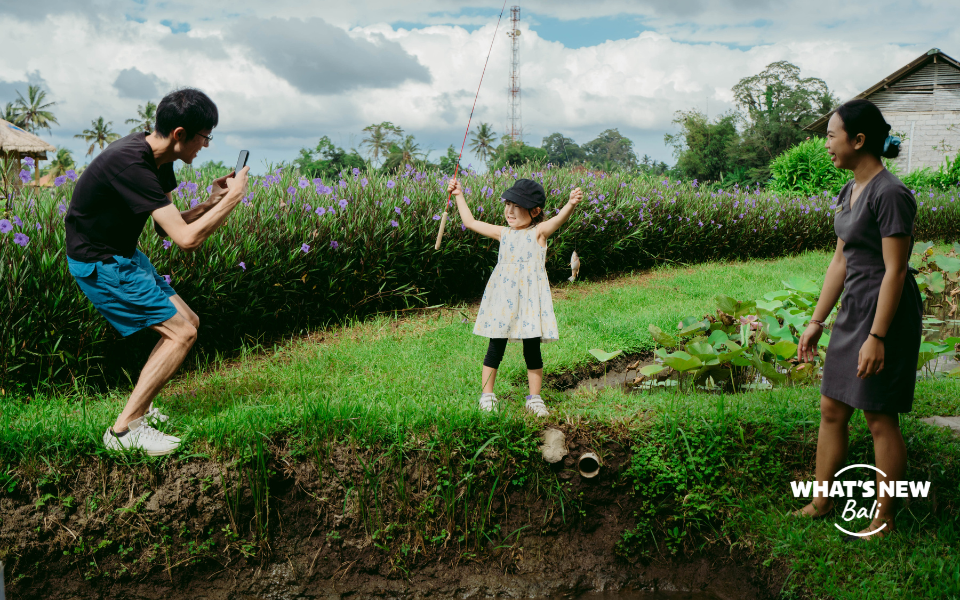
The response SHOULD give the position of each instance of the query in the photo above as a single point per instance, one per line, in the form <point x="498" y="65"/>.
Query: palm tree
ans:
<point x="146" y="117"/>
<point x="10" y="114"/>
<point x="381" y="137"/>
<point x="31" y="112"/>
<point x="406" y="154"/>
<point x="61" y="163"/>
<point x="482" y="141"/>
<point x="100" y="135"/>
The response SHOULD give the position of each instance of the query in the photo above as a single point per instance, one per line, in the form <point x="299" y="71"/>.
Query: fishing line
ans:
<point x="456" y="169"/>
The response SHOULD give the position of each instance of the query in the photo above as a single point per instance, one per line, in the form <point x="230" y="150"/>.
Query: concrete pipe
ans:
<point x="589" y="465"/>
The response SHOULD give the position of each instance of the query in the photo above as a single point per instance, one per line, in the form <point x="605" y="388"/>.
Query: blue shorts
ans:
<point x="128" y="292"/>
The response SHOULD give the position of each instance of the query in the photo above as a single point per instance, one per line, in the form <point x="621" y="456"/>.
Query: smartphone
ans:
<point x="242" y="160"/>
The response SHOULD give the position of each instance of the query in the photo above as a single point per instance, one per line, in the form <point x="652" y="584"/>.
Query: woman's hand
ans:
<point x="575" y="197"/>
<point x="454" y="187"/>
<point x="807" y="348"/>
<point x="870" y="359"/>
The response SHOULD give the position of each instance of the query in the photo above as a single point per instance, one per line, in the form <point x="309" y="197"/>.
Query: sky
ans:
<point x="284" y="73"/>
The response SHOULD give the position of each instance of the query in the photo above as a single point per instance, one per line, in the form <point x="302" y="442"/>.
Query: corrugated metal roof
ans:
<point x="929" y="83"/>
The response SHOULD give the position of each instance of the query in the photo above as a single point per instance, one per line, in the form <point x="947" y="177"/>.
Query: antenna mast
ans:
<point x="515" y="127"/>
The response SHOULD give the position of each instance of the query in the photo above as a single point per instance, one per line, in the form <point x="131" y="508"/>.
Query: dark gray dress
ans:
<point x="885" y="208"/>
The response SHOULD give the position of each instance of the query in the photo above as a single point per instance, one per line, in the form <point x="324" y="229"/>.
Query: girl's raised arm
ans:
<point x="550" y="226"/>
<point x="491" y="231"/>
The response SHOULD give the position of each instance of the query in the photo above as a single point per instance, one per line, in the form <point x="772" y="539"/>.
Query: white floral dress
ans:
<point x="516" y="302"/>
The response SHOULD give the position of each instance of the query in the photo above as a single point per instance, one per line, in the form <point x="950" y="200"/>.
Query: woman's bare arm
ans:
<point x="832" y="284"/>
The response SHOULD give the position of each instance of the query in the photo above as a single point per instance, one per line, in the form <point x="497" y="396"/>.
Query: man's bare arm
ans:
<point x="190" y="234"/>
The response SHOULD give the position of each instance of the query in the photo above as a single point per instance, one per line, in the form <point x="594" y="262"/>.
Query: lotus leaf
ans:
<point x="776" y="330"/>
<point x="949" y="264"/>
<point x="955" y="372"/>
<point x="924" y="358"/>
<point x="701" y="350"/>
<point x="804" y="286"/>
<point x="683" y="362"/>
<point x="797" y="319"/>
<point x="651" y="370"/>
<point x="922" y="248"/>
<point x="718" y="337"/>
<point x="768" y="370"/>
<point x="605" y="356"/>
<point x="661" y="337"/>
<point x="734" y="307"/>
<point x="935" y="282"/>
<point x="785" y="349"/>
<point x="770" y="305"/>
<point x="781" y="295"/>
<point x="696" y="326"/>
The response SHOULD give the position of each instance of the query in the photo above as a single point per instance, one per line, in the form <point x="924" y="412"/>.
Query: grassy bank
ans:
<point x="376" y="422"/>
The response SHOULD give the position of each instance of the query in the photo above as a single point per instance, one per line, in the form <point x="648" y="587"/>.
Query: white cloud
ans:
<point x="273" y="108"/>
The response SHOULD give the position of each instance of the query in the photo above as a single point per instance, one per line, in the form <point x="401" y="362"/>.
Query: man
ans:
<point x="131" y="180"/>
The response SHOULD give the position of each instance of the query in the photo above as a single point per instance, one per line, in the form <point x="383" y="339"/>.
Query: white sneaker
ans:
<point x="141" y="436"/>
<point x="154" y="415"/>
<point x="488" y="402"/>
<point x="536" y="406"/>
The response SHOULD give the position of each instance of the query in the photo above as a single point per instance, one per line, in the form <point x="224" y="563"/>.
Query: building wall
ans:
<point x="936" y="134"/>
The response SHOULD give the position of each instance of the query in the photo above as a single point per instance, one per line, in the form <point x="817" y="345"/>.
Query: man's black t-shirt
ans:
<point x="114" y="198"/>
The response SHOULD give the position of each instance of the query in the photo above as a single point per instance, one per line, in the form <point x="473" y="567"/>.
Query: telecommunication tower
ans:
<point x="515" y="126"/>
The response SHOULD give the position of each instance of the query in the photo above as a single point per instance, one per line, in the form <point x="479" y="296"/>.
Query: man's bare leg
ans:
<point x="177" y="336"/>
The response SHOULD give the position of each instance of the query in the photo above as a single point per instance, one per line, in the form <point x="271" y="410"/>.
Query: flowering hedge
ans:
<point x="302" y="253"/>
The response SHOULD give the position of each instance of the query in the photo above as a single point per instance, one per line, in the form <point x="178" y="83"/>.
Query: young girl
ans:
<point x="516" y="304"/>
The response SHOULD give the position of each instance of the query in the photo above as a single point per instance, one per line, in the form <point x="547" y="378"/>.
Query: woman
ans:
<point x="872" y="356"/>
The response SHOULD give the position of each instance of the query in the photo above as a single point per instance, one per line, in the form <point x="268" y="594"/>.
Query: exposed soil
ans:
<point x="163" y="530"/>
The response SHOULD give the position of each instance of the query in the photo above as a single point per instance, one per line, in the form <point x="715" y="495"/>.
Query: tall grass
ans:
<point x="299" y="254"/>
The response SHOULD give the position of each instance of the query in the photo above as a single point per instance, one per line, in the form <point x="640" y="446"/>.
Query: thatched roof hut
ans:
<point x="15" y="144"/>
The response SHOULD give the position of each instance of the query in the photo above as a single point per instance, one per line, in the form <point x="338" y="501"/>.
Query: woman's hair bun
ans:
<point x="891" y="147"/>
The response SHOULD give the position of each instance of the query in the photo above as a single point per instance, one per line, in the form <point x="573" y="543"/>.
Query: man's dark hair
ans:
<point x="188" y="108"/>
<point x="863" y="116"/>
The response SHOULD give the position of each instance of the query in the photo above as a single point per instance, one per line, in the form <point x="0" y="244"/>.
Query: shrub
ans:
<point x="807" y="169"/>
<point x="319" y="251"/>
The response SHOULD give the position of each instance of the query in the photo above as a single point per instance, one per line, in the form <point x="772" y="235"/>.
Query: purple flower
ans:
<point x="194" y="203"/>
<point x="210" y="188"/>
<point x="167" y="244"/>
<point x="356" y="171"/>
<point x="407" y="200"/>
<point x="364" y="182"/>
<point x="62" y="207"/>
<point x="28" y="161"/>
<point x="463" y="227"/>
<point x="334" y="245"/>
<point x="396" y="209"/>
<point x="59" y="181"/>
<point x="5" y="226"/>
<point x="168" y="279"/>
<point x="304" y="183"/>
<point x="17" y="221"/>
<point x="394" y="223"/>
<point x="25" y="176"/>
<point x="307" y="207"/>
<point x="38" y="227"/>
<point x="320" y="211"/>
<point x="305" y="248"/>
<point x="243" y="265"/>
<point x="342" y="203"/>
<point x="291" y="190"/>
<point x="390" y="184"/>
<point x="436" y="217"/>
<point x="20" y="239"/>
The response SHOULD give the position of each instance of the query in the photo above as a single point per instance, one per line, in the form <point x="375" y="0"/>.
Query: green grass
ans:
<point x="415" y="379"/>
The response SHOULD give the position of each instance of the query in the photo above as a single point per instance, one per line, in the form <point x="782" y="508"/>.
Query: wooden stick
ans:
<point x="443" y="223"/>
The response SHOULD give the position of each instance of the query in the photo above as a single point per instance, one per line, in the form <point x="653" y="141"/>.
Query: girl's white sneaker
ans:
<point x="536" y="406"/>
<point x="154" y="415"/>
<point x="488" y="402"/>
<point x="141" y="436"/>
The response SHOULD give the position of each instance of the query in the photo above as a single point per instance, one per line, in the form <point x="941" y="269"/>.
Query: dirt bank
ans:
<point x="385" y="523"/>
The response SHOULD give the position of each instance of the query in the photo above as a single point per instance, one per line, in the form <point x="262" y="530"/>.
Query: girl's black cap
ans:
<point x="526" y="193"/>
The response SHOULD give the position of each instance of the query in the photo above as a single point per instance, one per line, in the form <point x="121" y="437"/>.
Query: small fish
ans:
<point x="574" y="265"/>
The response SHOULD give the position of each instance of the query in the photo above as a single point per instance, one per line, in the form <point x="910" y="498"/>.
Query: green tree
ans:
<point x="776" y="104"/>
<point x="381" y="137"/>
<point x="611" y="150"/>
<point x="562" y="150"/>
<point x="514" y="153"/>
<point x="99" y="135"/>
<point x="146" y="118"/>
<point x="448" y="163"/>
<point x="401" y="155"/>
<point x="481" y="143"/>
<point x="702" y="148"/>
<point x="327" y="160"/>
<point x="31" y="113"/>
<point x="10" y="115"/>
<point x="61" y="163"/>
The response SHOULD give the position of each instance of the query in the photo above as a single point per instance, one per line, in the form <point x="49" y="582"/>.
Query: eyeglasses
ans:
<point x="209" y="138"/>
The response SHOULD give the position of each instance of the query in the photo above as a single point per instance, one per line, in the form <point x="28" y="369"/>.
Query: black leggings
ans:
<point x="531" y="353"/>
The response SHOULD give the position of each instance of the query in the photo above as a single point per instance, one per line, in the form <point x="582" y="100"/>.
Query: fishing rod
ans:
<point x="456" y="169"/>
